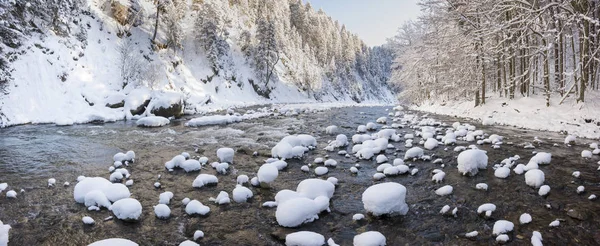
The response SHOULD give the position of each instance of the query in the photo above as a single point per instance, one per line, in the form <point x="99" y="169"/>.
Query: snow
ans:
<point x="486" y="207"/>
<point x="300" y="210"/>
<point x="198" y="234"/>
<point x="241" y="194"/>
<point x="313" y="188"/>
<point x="113" y="192"/>
<point x="413" y="152"/>
<point x="321" y="171"/>
<point x="153" y="121"/>
<point x="279" y="164"/>
<point x="304" y="238"/>
<point x="541" y="158"/>
<point x="225" y="155"/>
<point x="96" y="198"/>
<point x="51" y="182"/>
<point x="525" y="218"/>
<point x="570" y="139"/>
<point x="502" y="172"/>
<point x="204" y="179"/>
<point x="534" y="178"/>
<point x="330" y="163"/>
<point x="191" y="165"/>
<point x="293" y="146"/>
<point x="554" y="223"/>
<point x="580" y="189"/>
<point x="162" y="211"/>
<point x="536" y="239"/>
<point x="370" y="238"/>
<point x="444" y="190"/>
<point x="438" y="177"/>
<point x="165" y="197"/>
<point x="430" y="143"/>
<point x="267" y="173"/>
<point x="86" y="220"/>
<point x="445" y="209"/>
<point x="502" y="226"/>
<point x="586" y="154"/>
<point x="331" y="130"/>
<point x="527" y="112"/>
<point x="222" y="198"/>
<point x="385" y="198"/>
<point x="358" y="216"/>
<point x="481" y="186"/>
<point x="471" y="234"/>
<point x="502" y="238"/>
<point x="242" y="179"/>
<point x="114" y="242"/>
<point x="127" y="209"/>
<point x="188" y="243"/>
<point x="196" y="207"/>
<point x="544" y="190"/>
<point x="470" y="161"/>
<point x="4" y="233"/>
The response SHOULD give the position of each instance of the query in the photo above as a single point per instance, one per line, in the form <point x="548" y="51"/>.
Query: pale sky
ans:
<point x="373" y="20"/>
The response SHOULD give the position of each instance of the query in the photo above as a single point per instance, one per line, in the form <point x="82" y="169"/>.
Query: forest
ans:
<point x="469" y="50"/>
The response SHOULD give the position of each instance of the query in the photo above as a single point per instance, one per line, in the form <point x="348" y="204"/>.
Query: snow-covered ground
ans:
<point x="67" y="81"/>
<point x="579" y="119"/>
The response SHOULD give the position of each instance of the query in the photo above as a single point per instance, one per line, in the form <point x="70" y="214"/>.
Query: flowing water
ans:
<point x="42" y="215"/>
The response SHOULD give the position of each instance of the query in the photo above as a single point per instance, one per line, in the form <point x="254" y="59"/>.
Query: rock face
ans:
<point x="116" y="105"/>
<point x="120" y="12"/>
<point x="175" y="110"/>
<point x="140" y="110"/>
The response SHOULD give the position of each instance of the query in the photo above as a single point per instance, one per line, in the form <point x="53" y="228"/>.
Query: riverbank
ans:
<point x="579" y="119"/>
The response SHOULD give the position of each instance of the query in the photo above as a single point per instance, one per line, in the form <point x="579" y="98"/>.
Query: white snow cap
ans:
<point x="413" y="152"/>
<point x="502" y="172"/>
<point x="86" y="220"/>
<point x="370" y="238"/>
<point x="152" y="121"/>
<point x="225" y="155"/>
<point x="204" y="179"/>
<point x="470" y="161"/>
<point x="481" y="186"/>
<point x="196" y="207"/>
<point x="385" y="198"/>
<point x="113" y="192"/>
<point x="127" y="209"/>
<point x="241" y="194"/>
<point x="165" y="197"/>
<point x="304" y="238"/>
<point x="198" y="234"/>
<point x="502" y="226"/>
<point x="114" y="242"/>
<point x="267" y="173"/>
<point x="299" y="210"/>
<point x="162" y="211"/>
<point x="444" y="190"/>
<point x="525" y="218"/>
<point x="544" y="190"/>
<point x="534" y="178"/>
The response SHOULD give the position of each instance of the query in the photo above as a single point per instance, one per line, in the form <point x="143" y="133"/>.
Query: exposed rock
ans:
<point x="140" y="109"/>
<point x="116" y="105"/>
<point x="120" y="12"/>
<point x="175" y="110"/>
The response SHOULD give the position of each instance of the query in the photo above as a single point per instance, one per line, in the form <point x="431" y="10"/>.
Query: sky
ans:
<point x="373" y="20"/>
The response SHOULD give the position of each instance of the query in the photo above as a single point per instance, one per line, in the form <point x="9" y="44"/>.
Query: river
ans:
<point x="42" y="215"/>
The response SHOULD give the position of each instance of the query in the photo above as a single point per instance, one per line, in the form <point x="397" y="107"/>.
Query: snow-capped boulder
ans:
<point x="152" y="121"/>
<point x="225" y="155"/>
<point x="304" y="238"/>
<point x="385" y="198"/>
<point x="470" y="161"/>
<point x="370" y="238"/>
<point x="128" y="209"/>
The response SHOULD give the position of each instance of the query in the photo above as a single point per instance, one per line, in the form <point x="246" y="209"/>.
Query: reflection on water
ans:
<point x="29" y="155"/>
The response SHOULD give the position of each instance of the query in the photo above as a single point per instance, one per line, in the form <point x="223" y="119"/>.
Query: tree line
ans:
<point x="460" y="49"/>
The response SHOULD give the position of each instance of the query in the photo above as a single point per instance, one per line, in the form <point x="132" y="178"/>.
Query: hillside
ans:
<point x="79" y="61"/>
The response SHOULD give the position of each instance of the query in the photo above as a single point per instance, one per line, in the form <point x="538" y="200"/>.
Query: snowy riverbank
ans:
<point x="580" y="119"/>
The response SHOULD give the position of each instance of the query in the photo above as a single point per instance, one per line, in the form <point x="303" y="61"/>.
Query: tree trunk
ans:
<point x="156" y="23"/>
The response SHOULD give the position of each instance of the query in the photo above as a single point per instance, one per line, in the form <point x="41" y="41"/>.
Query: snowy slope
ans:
<point x="69" y="79"/>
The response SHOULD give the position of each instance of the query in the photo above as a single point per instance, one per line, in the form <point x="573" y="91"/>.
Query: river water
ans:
<point x="42" y="215"/>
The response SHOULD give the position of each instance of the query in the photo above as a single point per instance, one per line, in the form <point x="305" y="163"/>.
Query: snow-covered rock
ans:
<point x="127" y="209"/>
<point x="304" y="238"/>
<point x="152" y="121"/>
<point x="191" y="165"/>
<point x="525" y="218"/>
<point x="241" y="194"/>
<point x="299" y="210"/>
<point x="162" y="211"/>
<point x="86" y="220"/>
<point x="267" y="173"/>
<point x="370" y="238"/>
<point x="195" y="207"/>
<point x="198" y="234"/>
<point x="444" y="190"/>
<point x="470" y="161"/>
<point x="414" y="152"/>
<point x="502" y="172"/>
<point x="481" y="186"/>
<point x="204" y="179"/>
<point x="321" y="171"/>
<point x="502" y="226"/>
<point x="225" y="155"/>
<point x="114" y="242"/>
<point x="331" y="130"/>
<point x="544" y="190"/>
<point x="534" y="178"/>
<point x="385" y="198"/>
<point x="165" y="197"/>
